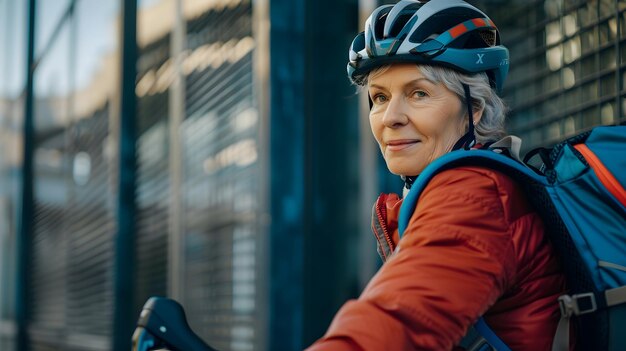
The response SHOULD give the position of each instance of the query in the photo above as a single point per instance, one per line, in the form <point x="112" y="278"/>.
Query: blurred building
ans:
<point x="213" y="151"/>
<point x="567" y="65"/>
<point x="211" y="193"/>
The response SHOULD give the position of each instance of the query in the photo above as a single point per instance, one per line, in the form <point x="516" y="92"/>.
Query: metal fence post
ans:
<point x="124" y="265"/>
<point x="26" y="211"/>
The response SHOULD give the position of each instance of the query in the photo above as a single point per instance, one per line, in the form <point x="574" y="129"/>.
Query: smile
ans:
<point x="398" y="145"/>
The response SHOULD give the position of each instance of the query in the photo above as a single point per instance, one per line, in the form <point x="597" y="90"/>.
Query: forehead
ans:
<point x="400" y="73"/>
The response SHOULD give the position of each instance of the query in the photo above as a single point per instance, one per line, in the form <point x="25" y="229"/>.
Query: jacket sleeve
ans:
<point x="455" y="259"/>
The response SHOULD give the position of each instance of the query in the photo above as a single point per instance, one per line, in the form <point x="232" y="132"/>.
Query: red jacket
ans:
<point x="473" y="247"/>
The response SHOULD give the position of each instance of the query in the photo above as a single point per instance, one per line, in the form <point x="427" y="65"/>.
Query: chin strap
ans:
<point x="469" y="139"/>
<point x="408" y="181"/>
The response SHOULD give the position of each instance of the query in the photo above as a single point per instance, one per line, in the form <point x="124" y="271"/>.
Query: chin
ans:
<point x="403" y="170"/>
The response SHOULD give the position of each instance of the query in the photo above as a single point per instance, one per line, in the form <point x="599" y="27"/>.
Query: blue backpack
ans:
<point x="580" y="194"/>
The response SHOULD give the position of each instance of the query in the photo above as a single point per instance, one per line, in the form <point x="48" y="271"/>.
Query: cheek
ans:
<point x="441" y="130"/>
<point x="450" y="135"/>
<point x="377" y="128"/>
<point x="428" y="125"/>
<point x="451" y="125"/>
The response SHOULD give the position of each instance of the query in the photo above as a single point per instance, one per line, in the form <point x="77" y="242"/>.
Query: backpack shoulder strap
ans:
<point x="459" y="158"/>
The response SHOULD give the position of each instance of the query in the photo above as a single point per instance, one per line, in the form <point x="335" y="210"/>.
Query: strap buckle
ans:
<point x="577" y="304"/>
<point x="481" y="345"/>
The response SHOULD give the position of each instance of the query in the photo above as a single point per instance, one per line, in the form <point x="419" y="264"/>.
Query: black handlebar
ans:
<point x="162" y="325"/>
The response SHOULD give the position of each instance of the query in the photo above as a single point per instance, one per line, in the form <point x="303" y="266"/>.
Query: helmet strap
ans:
<point x="408" y="181"/>
<point x="469" y="139"/>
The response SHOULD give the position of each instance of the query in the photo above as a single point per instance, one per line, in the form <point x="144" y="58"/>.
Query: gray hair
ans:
<point x="491" y="124"/>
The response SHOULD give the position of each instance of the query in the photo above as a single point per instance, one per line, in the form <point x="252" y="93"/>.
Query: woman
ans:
<point x="474" y="246"/>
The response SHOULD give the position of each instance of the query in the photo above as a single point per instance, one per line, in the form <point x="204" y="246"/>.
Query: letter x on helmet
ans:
<point x="449" y="33"/>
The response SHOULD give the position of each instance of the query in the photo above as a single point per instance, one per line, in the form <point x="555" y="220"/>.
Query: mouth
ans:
<point x="398" y="145"/>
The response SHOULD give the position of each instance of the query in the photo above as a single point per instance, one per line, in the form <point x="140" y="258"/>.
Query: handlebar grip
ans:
<point x="165" y="319"/>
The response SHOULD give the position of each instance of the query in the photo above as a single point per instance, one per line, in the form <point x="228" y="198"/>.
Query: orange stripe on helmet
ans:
<point x="458" y="30"/>
<point x="479" y="22"/>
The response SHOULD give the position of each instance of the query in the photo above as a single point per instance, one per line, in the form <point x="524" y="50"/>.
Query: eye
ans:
<point x="379" y="99"/>
<point x="420" y="94"/>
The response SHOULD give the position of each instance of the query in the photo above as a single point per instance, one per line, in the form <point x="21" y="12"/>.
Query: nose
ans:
<point x="396" y="113"/>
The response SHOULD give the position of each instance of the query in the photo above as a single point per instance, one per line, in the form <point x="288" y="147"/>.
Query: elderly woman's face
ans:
<point x="413" y="119"/>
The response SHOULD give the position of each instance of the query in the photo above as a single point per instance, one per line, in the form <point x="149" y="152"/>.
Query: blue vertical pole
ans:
<point x="26" y="211"/>
<point x="124" y="266"/>
<point x="332" y="235"/>
<point x="313" y="165"/>
<point x="287" y="163"/>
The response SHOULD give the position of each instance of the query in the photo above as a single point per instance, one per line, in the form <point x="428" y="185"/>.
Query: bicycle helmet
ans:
<point x="450" y="33"/>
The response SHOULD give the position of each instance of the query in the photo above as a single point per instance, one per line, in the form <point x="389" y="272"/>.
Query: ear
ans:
<point x="477" y="114"/>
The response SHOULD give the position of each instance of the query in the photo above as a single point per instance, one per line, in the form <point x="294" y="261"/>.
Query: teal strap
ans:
<point x="617" y="321"/>
<point x="494" y="341"/>
<point x="617" y="317"/>
<point x="480" y="337"/>
<point x="474" y="341"/>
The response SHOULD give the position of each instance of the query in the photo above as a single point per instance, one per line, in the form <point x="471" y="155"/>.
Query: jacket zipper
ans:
<point x="378" y="240"/>
<point x="383" y="225"/>
<point x="604" y="175"/>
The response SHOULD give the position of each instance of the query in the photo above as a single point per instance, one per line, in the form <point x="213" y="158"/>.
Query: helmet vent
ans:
<point x="379" y="26"/>
<point x="400" y="22"/>
<point x="489" y="36"/>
